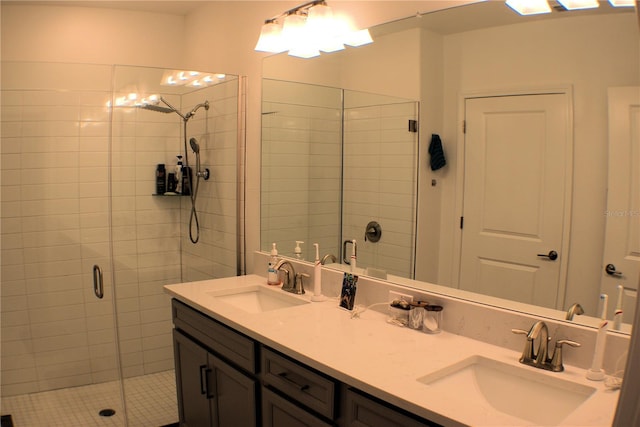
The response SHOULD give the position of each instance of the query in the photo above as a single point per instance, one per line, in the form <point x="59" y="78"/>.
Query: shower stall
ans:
<point x="80" y="214"/>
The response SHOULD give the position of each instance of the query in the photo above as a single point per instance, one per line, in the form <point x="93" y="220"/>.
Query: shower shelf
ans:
<point x="170" y="195"/>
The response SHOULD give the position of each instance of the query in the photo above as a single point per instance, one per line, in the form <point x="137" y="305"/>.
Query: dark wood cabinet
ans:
<point x="210" y="391"/>
<point x="221" y="384"/>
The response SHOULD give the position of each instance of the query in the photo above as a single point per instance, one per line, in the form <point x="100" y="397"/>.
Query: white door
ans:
<point x="516" y="188"/>
<point x="622" y="238"/>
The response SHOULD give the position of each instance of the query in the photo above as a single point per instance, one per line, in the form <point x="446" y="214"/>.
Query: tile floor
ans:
<point x="151" y="402"/>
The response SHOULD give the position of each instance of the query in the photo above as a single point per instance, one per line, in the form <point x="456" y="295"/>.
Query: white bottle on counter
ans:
<point x="317" y="275"/>
<point x="272" y="274"/>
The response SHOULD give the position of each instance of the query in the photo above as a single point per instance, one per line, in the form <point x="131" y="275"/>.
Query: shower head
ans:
<point x="194" y="145"/>
<point x="157" y="108"/>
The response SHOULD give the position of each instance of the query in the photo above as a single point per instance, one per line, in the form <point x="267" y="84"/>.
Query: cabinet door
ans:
<point x="234" y="394"/>
<point x="191" y="366"/>
<point x="278" y="412"/>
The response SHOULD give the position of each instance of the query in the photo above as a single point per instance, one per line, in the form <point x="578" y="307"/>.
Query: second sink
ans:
<point x="484" y="384"/>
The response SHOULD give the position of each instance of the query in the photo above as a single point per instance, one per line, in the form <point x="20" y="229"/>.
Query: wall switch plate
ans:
<point x="393" y="295"/>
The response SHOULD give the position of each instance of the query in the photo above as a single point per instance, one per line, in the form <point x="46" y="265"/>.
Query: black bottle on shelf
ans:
<point x="161" y="179"/>
<point x="187" y="180"/>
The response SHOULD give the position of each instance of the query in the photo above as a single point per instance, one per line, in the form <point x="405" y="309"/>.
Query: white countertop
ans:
<point x="379" y="358"/>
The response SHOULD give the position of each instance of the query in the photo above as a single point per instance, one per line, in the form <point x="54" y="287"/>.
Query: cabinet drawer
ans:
<point x="365" y="411"/>
<point x="278" y="412"/>
<point x="238" y="349"/>
<point x="299" y="382"/>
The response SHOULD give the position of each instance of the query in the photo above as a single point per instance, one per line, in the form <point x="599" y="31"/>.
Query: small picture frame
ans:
<point x="348" y="293"/>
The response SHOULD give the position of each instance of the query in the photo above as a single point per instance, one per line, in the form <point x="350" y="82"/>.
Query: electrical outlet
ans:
<point x="393" y="295"/>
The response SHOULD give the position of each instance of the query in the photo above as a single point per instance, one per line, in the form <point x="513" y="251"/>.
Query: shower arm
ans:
<point x="174" y="109"/>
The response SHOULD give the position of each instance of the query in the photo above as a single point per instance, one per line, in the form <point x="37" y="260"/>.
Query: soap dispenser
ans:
<point x="298" y="249"/>
<point x="272" y="274"/>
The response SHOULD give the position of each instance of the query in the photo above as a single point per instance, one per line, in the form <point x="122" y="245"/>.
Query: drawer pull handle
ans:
<point x="285" y="376"/>
<point x="206" y="380"/>
<point x="203" y="389"/>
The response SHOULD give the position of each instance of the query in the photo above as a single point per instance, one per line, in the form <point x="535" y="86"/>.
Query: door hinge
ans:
<point x="464" y="126"/>
<point x="413" y="125"/>
<point x="461" y="222"/>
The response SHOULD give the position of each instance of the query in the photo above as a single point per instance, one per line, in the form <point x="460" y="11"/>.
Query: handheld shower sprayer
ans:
<point x="195" y="147"/>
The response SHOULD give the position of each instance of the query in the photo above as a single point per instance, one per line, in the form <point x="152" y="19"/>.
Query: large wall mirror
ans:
<point x="464" y="74"/>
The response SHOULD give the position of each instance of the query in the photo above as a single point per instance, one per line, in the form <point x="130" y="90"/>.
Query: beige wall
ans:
<point x="91" y="35"/>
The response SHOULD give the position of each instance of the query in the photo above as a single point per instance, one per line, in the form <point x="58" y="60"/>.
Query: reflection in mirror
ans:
<point x="450" y="57"/>
<point x="333" y="162"/>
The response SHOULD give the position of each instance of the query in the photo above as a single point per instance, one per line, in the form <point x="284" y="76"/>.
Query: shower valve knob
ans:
<point x="206" y="174"/>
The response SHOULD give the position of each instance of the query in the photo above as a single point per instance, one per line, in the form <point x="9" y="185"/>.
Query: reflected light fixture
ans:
<point x="529" y="7"/>
<point x="189" y="78"/>
<point x="622" y="3"/>
<point x="534" y="7"/>
<point x="579" y="4"/>
<point x="309" y="29"/>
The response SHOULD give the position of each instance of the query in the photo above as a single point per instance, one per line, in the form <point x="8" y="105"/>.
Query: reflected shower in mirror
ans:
<point x="333" y="161"/>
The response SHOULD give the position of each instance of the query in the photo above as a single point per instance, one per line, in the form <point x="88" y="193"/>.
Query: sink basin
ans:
<point x="484" y="385"/>
<point x="257" y="299"/>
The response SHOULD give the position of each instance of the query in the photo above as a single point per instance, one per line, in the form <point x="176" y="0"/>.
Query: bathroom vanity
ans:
<point x="251" y="354"/>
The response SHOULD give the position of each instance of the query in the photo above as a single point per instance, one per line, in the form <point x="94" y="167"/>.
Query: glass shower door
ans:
<point x="58" y="339"/>
<point x="380" y="180"/>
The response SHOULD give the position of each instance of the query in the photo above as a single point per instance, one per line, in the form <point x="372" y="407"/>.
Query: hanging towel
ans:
<point x="437" y="153"/>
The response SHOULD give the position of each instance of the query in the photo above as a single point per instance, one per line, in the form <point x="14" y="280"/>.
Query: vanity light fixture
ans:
<point x="309" y="29"/>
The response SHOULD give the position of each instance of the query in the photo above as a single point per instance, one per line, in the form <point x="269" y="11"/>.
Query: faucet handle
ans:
<point x="527" y="353"/>
<point x="299" y="285"/>
<point x="556" y="361"/>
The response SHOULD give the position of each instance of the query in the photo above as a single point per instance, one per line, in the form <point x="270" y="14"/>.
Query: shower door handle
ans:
<point x="98" y="284"/>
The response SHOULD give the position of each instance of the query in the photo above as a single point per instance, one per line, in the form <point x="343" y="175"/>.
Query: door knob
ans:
<point x="552" y="255"/>
<point x="611" y="270"/>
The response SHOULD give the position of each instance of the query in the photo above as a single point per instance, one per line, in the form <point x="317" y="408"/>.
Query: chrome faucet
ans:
<point x="328" y="257"/>
<point x="288" y="284"/>
<point x="573" y="310"/>
<point x="293" y="282"/>
<point x="540" y="358"/>
<point x="543" y="344"/>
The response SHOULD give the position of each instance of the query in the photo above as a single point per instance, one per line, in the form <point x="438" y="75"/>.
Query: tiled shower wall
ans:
<point x="301" y="167"/>
<point x="217" y="133"/>
<point x="380" y="155"/>
<point x="55" y="224"/>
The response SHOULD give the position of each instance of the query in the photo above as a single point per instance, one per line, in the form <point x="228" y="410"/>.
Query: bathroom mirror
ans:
<point x="477" y="50"/>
